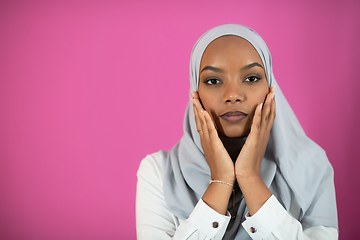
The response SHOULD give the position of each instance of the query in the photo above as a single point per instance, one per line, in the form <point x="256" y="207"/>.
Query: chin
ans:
<point x="235" y="133"/>
<point x="233" y="130"/>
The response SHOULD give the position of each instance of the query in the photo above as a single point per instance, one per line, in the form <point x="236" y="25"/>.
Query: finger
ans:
<point x="196" y="114"/>
<point x="257" y="119"/>
<point x="211" y="126"/>
<point x="267" y="108"/>
<point x="195" y="95"/>
<point x="202" y="126"/>
<point x="195" y="99"/>
<point x="271" y="101"/>
<point x="272" y="112"/>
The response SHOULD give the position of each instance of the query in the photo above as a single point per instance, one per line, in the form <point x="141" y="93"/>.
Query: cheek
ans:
<point x="260" y="95"/>
<point x="261" y="98"/>
<point x="209" y="105"/>
<point x="206" y="99"/>
<point x="206" y="103"/>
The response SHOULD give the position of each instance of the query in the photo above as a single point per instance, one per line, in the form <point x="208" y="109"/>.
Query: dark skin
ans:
<point x="232" y="79"/>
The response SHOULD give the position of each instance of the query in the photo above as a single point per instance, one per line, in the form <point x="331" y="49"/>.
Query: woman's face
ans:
<point x="232" y="83"/>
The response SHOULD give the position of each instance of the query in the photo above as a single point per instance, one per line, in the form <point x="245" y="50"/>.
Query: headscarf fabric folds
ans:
<point x="295" y="169"/>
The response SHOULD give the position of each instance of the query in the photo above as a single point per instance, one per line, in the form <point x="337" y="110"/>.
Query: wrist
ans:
<point x="224" y="178"/>
<point x="223" y="182"/>
<point x="249" y="178"/>
<point x="249" y="172"/>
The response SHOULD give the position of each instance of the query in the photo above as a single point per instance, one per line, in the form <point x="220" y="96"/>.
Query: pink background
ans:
<point x="88" y="88"/>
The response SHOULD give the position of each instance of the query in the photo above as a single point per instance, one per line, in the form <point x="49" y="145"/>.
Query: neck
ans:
<point x="233" y="145"/>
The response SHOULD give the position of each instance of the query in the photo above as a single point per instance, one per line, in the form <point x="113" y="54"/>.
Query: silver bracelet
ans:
<point x="218" y="181"/>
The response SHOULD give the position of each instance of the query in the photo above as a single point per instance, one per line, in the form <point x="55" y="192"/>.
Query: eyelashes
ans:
<point x="214" y="81"/>
<point x="252" y="79"/>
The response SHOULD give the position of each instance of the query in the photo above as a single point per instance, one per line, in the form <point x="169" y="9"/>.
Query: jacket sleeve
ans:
<point x="272" y="221"/>
<point x="155" y="221"/>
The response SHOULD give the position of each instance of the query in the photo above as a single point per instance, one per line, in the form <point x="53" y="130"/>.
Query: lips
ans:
<point x="233" y="116"/>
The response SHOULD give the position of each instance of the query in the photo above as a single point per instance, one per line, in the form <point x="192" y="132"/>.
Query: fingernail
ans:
<point x="274" y="88"/>
<point x="261" y="105"/>
<point x="192" y="94"/>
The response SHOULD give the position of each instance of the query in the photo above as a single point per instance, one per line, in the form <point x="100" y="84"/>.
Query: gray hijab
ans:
<point x="295" y="168"/>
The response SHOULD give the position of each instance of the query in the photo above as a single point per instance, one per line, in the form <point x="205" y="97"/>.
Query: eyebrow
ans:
<point x="247" y="67"/>
<point x="251" y="65"/>
<point x="211" y="68"/>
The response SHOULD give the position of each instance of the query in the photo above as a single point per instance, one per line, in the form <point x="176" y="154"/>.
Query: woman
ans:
<point x="267" y="179"/>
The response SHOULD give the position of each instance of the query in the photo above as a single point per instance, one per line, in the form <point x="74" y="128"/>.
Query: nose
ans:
<point x="233" y="93"/>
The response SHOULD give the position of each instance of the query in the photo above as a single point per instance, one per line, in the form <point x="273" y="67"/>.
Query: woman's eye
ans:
<point x="212" y="81"/>
<point x="252" y="79"/>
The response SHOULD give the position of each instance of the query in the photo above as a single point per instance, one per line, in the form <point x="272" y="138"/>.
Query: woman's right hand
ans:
<point x="221" y="166"/>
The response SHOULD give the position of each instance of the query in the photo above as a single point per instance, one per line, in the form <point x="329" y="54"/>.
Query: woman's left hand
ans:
<point x="249" y="160"/>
